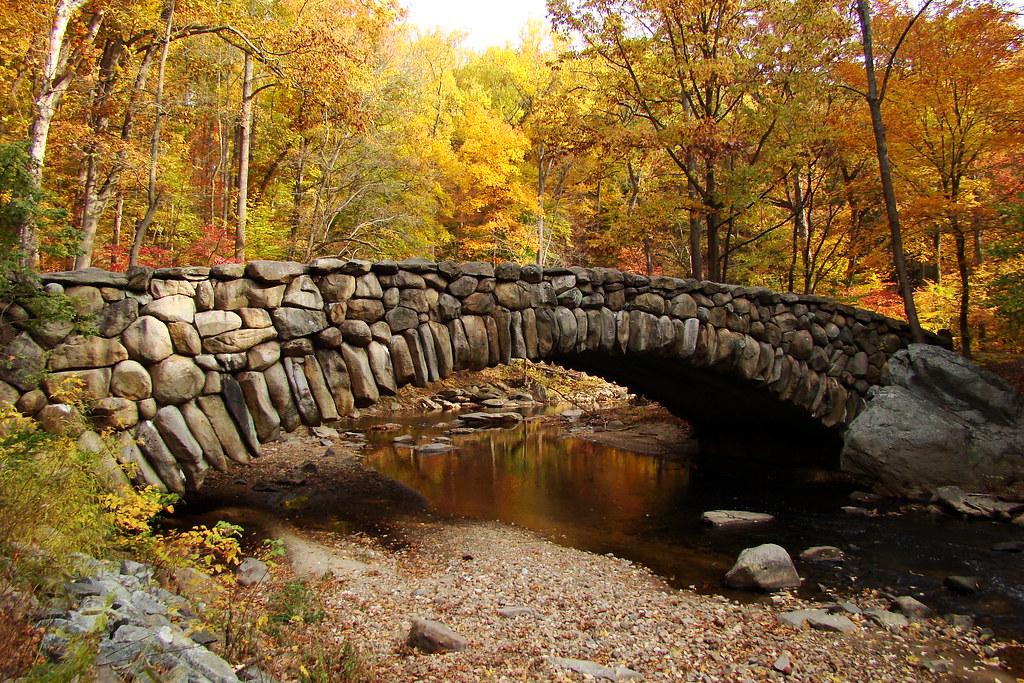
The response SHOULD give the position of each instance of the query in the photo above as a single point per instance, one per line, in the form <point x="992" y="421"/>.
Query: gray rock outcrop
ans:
<point x="943" y="421"/>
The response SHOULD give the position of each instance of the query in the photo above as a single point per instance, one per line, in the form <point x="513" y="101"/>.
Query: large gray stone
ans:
<point x="766" y="567"/>
<point x="148" y="340"/>
<point x="224" y="427"/>
<point x="179" y="440"/>
<point x="431" y="636"/>
<point x="177" y="379"/>
<point x="274" y="272"/>
<point x="383" y="371"/>
<point x="257" y="397"/>
<point x="364" y="387"/>
<point x="234" y="402"/>
<point x="336" y="374"/>
<point x="116" y="316"/>
<point x="21" y="362"/>
<point x="210" y="323"/>
<point x="238" y="341"/>
<point x="297" y="322"/>
<point x="185" y="339"/>
<point x="319" y="389"/>
<point x="302" y="293"/>
<point x="84" y="385"/>
<point x="113" y="412"/>
<point x="172" y="309"/>
<point x="204" y="433"/>
<point x="401" y="360"/>
<point x="159" y="457"/>
<point x="304" y="401"/>
<point x="281" y="396"/>
<point x="943" y="421"/>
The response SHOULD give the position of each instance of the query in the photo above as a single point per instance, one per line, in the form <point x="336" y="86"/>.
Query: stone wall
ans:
<point x="199" y="366"/>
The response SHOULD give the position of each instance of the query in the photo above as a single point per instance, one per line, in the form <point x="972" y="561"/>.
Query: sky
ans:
<point x="488" y="22"/>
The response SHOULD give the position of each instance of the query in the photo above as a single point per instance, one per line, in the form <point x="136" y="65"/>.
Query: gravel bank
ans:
<point x="573" y="604"/>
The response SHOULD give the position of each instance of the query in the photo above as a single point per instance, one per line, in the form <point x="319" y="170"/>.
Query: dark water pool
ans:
<point x="647" y="509"/>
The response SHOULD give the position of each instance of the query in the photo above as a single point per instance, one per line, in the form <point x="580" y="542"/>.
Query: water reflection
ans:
<point x="583" y="493"/>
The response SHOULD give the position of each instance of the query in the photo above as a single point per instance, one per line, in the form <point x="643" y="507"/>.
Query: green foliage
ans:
<point x="51" y="501"/>
<point x="295" y="602"/>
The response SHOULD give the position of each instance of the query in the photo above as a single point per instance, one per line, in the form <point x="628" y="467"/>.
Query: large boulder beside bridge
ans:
<point x="943" y="421"/>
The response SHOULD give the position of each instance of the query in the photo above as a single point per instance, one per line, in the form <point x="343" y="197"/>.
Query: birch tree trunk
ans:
<point x="244" y="138"/>
<point x="55" y="79"/>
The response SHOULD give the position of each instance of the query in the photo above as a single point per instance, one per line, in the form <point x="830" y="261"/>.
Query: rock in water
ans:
<point x="431" y="636"/>
<point x="943" y="421"/>
<point x="734" y="517"/>
<point x="765" y="567"/>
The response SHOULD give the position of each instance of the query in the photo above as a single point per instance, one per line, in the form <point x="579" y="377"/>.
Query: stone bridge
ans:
<point x="199" y="366"/>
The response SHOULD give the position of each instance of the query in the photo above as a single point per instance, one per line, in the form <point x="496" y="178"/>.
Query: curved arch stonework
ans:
<point x="199" y="366"/>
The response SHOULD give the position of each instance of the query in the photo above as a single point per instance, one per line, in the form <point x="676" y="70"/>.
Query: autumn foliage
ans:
<point x="722" y="139"/>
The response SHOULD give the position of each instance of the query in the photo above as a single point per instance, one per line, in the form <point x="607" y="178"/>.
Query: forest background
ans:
<point x="719" y="139"/>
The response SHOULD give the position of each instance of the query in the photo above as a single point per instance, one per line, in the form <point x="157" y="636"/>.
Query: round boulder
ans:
<point x="176" y="380"/>
<point x="765" y="567"/>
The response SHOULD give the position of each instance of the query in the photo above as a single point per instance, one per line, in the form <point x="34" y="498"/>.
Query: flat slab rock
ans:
<point x="735" y="517"/>
<point x="588" y="668"/>
<point x="818" y="619"/>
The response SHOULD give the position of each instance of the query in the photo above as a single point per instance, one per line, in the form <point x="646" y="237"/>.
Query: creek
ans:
<point x="647" y="509"/>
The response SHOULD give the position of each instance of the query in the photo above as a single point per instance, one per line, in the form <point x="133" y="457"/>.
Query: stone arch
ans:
<point x="200" y="366"/>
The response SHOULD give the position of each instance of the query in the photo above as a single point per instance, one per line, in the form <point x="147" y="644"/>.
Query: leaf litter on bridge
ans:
<point x="403" y="561"/>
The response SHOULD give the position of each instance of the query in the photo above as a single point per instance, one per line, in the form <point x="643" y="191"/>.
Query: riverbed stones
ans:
<point x="766" y="567"/>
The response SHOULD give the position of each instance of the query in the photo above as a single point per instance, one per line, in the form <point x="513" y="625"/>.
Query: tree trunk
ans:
<point x="245" y="136"/>
<point x="964" y="266"/>
<point x="297" y="191"/>
<point x="152" y="195"/>
<point x="885" y="171"/>
<point x="54" y="82"/>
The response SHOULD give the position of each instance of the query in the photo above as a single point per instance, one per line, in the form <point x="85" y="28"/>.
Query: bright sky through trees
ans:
<point x="488" y="23"/>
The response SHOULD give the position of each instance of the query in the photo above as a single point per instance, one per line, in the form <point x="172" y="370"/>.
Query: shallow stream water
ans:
<point x="647" y="509"/>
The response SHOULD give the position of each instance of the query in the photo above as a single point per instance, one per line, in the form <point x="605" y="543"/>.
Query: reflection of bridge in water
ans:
<point x="202" y="365"/>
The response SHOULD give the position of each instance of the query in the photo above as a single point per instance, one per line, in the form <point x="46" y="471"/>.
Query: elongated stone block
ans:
<point x="234" y="401"/>
<point x="416" y="355"/>
<point x="227" y="433"/>
<point x="257" y="397"/>
<point x="160" y="457"/>
<point x="336" y="374"/>
<point x="304" y="401"/>
<point x="183" y="445"/>
<point x="429" y="352"/>
<point x="442" y="349"/>
<point x="318" y="387"/>
<point x="401" y="360"/>
<point x="204" y="433"/>
<point x="364" y="388"/>
<point x="281" y="396"/>
<point x="383" y="371"/>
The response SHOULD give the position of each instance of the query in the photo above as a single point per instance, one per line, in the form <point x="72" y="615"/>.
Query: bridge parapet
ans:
<point x="199" y="366"/>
